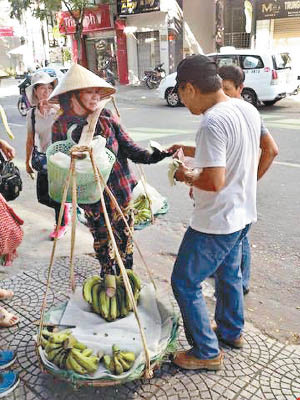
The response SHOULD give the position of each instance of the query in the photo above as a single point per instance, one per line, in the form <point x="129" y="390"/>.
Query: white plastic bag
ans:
<point x="157" y="200"/>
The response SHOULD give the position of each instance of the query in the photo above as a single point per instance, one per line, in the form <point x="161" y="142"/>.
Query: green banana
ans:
<point x="95" y="298"/>
<point x="46" y="334"/>
<point x="53" y="353"/>
<point x="80" y="346"/>
<point x="68" y="364"/>
<point x="125" y="364"/>
<point x="113" y="308"/>
<point x="52" y="346"/>
<point x="88" y="363"/>
<point x="86" y="352"/>
<point x="44" y="342"/>
<point x="110" y="285"/>
<point x="134" y="278"/>
<point x="59" y="337"/>
<point x="124" y="311"/>
<point x="118" y="366"/>
<point x="87" y="287"/>
<point x="70" y="342"/>
<point x="108" y="363"/>
<point x="75" y="366"/>
<point x="104" y="304"/>
<point x="128" y="356"/>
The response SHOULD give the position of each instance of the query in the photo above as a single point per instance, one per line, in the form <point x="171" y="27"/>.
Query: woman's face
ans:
<point x="42" y="91"/>
<point x="90" y="98"/>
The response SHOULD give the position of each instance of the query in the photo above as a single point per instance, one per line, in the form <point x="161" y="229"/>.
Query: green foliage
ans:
<point x="67" y="56"/>
<point x="42" y="8"/>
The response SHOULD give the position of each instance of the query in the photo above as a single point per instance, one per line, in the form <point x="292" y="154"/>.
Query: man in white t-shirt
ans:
<point x="224" y="186"/>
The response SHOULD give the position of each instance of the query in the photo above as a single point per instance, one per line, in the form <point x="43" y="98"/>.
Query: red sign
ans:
<point x="6" y="31"/>
<point x="95" y="19"/>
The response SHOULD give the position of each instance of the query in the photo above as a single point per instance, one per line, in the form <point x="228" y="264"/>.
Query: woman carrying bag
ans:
<point x="79" y="94"/>
<point x="39" y="123"/>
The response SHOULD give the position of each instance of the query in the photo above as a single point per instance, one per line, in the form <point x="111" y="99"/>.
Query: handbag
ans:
<point x="10" y="179"/>
<point x="38" y="159"/>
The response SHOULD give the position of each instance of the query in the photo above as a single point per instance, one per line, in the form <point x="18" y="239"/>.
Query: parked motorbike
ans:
<point x="153" y="77"/>
<point x="107" y="73"/>
<point x="23" y="103"/>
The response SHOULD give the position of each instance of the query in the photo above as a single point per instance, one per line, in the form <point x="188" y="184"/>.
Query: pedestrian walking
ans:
<point x="233" y="78"/>
<point x="39" y="123"/>
<point x="79" y="94"/>
<point x="224" y="181"/>
<point x="11" y="236"/>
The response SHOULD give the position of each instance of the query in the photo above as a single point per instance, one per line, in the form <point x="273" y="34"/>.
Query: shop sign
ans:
<point x="6" y="31"/>
<point x="277" y="9"/>
<point x="95" y="19"/>
<point x="129" y="7"/>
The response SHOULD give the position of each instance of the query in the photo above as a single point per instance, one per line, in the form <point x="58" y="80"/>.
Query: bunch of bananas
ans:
<point x="108" y="296"/>
<point x="64" y="350"/>
<point x="121" y="361"/>
<point x="141" y="209"/>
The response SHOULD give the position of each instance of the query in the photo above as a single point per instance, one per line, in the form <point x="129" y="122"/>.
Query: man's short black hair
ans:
<point x="232" y="73"/>
<point x="200" y="71"/>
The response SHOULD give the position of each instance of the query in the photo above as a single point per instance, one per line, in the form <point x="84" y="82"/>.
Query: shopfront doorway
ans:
<point x="148" y="50"/>
<point x="99" y="51"/>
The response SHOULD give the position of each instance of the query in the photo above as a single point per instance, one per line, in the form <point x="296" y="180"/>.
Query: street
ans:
<point x="273" y="304"/>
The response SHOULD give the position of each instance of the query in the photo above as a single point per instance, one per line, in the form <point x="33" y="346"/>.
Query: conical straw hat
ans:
<point x="78" y="78"/>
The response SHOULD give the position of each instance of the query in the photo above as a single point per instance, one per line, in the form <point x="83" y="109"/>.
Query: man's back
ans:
<point x="229" y="137"/>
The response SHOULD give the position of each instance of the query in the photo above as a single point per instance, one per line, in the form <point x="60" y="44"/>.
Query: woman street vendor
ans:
<point x="79" y="94"/>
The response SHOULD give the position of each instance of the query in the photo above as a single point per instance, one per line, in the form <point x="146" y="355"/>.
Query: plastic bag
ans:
<point x="157" y="200"/>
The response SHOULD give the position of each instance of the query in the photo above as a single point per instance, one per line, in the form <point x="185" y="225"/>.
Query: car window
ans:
<point x="227" y="60"/>
<point x="251" y="62"/>
<point x="282" y="61"/>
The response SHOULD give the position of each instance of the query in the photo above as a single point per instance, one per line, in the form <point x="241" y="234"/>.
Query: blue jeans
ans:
<point x="246" y="262"/>
<point x="201" y="255"/>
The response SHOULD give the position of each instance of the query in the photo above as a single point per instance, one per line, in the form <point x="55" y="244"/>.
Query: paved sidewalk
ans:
<point x="263" y="369"/>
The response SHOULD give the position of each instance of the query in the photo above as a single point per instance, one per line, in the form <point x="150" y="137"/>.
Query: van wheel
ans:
<point x="270" y="102"/>
<point x="250" y="96"/>
<point x="172" y="98"/>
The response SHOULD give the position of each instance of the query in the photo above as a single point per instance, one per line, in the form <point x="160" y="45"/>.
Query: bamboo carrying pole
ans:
<point x="76" y="152"/>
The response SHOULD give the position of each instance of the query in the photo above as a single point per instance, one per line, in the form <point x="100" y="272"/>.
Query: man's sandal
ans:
<point x="6" y="294"/>
<point x="7" y="319"/>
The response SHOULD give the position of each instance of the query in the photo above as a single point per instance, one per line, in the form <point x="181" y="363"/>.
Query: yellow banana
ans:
<point x="75" y="366"/>
<point x="89" y="364"/>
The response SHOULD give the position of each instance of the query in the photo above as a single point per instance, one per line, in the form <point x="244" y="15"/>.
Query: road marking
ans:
<point x="287" y="164"/>
<point x="17" y="125"/>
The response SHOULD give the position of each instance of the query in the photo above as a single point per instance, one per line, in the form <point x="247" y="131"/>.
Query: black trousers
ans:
<point x="42" y="191"/>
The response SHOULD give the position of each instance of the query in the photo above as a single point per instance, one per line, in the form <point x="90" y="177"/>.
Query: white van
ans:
<point x="269" y="77"/>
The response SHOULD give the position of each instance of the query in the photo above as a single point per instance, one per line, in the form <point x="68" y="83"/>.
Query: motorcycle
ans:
<point x="107" y="73"/>
<point x="153" y="77"/>
<point x="23" y="103"/>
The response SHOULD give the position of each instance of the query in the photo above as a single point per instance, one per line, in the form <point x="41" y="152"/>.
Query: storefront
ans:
<point x="103" y="41"/>
<point x="278" y="24"/>
<point x="153" y="36"/>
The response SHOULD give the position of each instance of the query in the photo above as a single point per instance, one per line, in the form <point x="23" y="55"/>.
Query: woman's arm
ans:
<point x="29" y="145"/>
<point x="7" y="149"/>
<point x="133" y="151"/>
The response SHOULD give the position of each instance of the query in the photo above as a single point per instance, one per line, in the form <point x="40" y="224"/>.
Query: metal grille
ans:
<point x="148" y="51"/>
<point x="240" y="40"/>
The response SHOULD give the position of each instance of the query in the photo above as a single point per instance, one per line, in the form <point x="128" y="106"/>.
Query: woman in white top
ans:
<point x="39" y="122"/>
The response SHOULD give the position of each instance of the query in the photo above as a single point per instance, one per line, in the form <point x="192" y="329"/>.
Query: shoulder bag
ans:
<point x="38" y="159"/>
<point x="10" y="179"/>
